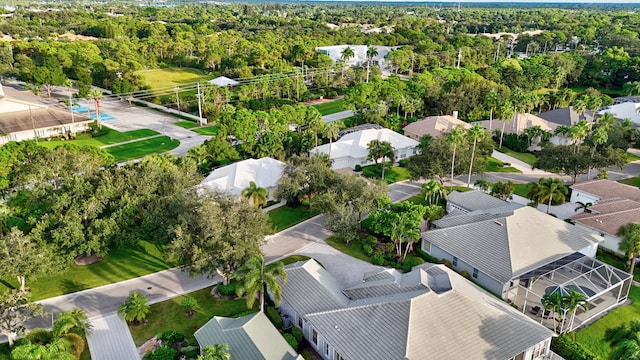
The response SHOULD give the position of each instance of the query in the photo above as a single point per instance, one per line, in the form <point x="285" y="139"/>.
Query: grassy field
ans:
<point x="141" y="148"/>
<point x="634" y="181"/>
<point x="521" y="189"/>
<point x="287" y="216"/>
<point x="330" y="107"/>
<point x="119" y="265"/>
<point x="354" y="248"/>
<point x="528" y="158"/>
<point x="169" y="315"/>
<point x="112" y="137"/>
<point x="186" y="124"/>
<point x="632" y="157"/>
<point x="170" y="77"/>
<point x="495" y="165"/>
<point x="592" y="336"/>
<point x="206" y="130"/>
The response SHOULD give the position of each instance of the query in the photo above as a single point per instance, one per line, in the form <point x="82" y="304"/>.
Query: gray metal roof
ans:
<point x="475" y="200"/>
<point x="506" y="247"/>
<point x="566" y="116"/>
<point x="317" y="284"/>
<point x="251" y="337"/>
<point x="110" y="339"/>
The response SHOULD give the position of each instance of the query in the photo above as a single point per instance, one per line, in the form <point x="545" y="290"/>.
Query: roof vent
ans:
<point x="497" y="223"/>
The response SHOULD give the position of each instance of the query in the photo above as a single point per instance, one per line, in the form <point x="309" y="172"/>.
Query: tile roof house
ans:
<point x="25" y="116"/>
<point x="614" y="205"/>
<point x="517" y="125"/>
<point x="351" y="149"/>
<point x="428" y="313"/>
<point x="509" y="250"/>
<point x="434" y="126"/>
<point x="566" y="116"/>
<point x="234" y="178"/>
<point x="251" y="337"/>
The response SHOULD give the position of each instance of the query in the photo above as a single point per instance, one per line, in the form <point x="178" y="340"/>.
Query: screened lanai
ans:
<point x="603" y="287"/>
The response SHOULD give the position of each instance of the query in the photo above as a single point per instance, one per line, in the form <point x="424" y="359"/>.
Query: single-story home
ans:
<point x="223" y="81"/>
<point x="25" y="116"/>
<point x="428" y="313"/>
<point x="521" y="254"/>
<point x="624" y="110"/>
<point x="351" y="149"/>
<point x="251" y="337"/>
<point x="434" y="126"/>
<point x="359" y="54"/>
<point x="236" y="177"/>
<point x="566" y="116"/>
<point x="613" y="205"/>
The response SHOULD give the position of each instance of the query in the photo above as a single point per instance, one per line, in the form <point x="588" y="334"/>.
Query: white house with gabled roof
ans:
<point x="234" y="178"/>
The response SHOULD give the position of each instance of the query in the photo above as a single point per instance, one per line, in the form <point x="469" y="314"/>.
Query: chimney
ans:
<point x="455" y="114"/>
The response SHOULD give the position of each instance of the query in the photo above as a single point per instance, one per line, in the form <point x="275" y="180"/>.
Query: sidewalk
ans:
<point x="337" y="116"/>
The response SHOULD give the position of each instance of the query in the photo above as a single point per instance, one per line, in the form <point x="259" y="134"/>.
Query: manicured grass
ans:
<point x="418" y="200"/>
<point x="330" y="107"/>
<point x="495" y="165"/>
<point x="293" y="259"/>
<point x="354" y="248"/>
<point x="119" y="265"/>
<point x="170" y="77"/>
<point x="618" y="262"/>
<point x="528" y="158"/>
<point x="632" y="157"/>
<point x="141" y="148"/>
<point x="592" y="336"/>
<point x="521" y="189"/>
<point x="206" y="130"/>
<point x="391" y="175"/>
<point x="169" y="315"/>
<point x="186" y="124"/>
<point x="112" y="137"/>
<point x="287" y="216"/>
<point x="634" y="181"/>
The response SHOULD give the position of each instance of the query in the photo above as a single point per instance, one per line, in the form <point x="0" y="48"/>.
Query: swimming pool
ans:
<point x="103" y="116"/>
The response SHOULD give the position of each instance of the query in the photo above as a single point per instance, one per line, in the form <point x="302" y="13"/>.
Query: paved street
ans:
<point x="337" y="116"/>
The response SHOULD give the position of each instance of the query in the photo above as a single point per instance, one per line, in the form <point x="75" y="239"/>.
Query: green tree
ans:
<point x="474" y="134"/>
<point x="305" y="177"/>
<point x="314" y="122"/>
<point x="74" y="321"/>
<point x="433" y="191"/>
<point x="630" y="243"/>
<point x="455" y="138"/>
<point x="331" y="131"/>
<point x="97" y="95"/>
<point x="550" y="190"/>
<point x="59" y="348"/>
<point x="347" y="54"/>
<point x="255" y="193"/>
<point x="571" y="302"/>
<point x="215" y="352"/>
<point x="552" y="302"/>
<point x="625" y="341"/>
<point x="380" y="150"/>
<point x="254" y="277"/>
<point x="135" y="309"/>
<point x="15" y="310"/>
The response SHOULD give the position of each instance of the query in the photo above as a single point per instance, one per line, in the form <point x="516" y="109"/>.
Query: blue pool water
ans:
<point x="79" y="109"/>
<point x="103" y="116"/>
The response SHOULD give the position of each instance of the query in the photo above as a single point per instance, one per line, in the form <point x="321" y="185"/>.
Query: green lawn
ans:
<point x="206" y="130"/>
<point x="141" y="148"/>
<point x="391" y="175"/>
<point x="119" y="265"/>
<point x="170" y="77"/>
<point x="330" y="107"/>
<point x="294" y="258"/>
<point x="354" y="248"/>
<point x="632" y="157"/>
<point x="112" y="137"/>
<point x="592" y="336"/>
<point x="521" y="189"/>
<point x="287" y="216"/>
<point x="495" y="165"/>
<point x="634" y="181"/>
<point x="186" y="124"/>
<point x="528" y="158"/>
<point x="169" y="315"/>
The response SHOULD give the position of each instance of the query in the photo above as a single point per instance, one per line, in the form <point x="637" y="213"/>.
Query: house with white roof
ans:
<point x="351" y="149"/>
<point x="428" y="313"/>
<point x="360" y="54"/>
<point x="434" y="126"/>
<point x="251" y="337"/>
<point x="624" y="110"/>
<point x="234" y="178"/>
<point x="521" y="254"/>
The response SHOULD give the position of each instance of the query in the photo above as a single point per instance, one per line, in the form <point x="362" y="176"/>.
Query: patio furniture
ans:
<point x="535" y="310"/>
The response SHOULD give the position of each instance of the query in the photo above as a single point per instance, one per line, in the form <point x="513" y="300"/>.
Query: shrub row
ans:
<point x="564" y="346"/>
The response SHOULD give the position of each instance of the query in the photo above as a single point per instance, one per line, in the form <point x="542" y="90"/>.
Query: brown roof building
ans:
<point x="434" y="126"/>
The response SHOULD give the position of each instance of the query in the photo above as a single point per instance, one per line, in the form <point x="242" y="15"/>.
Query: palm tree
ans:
<point x="578" y="132"/>
<point x="69" y="84"/>
<point x="492" y="101"/>
<point x="505" y="112"/>
<point x="215" y="352"/>
<point x="74" y="321"/>
<point x="379" y="149"/>
<point x="571" y="302"/>
<point x="58" y="348"/>
<point x="625" y="341"/>
<point x="632" y="88"/>
<point x="549" y="190"/>
<point x="433" y="191"/>
<point x="484" y="185"/>
<point x="583" y="206"/>
<point x="97" y="95"/>
<point x="135" y="308"/>
<point x="371" y="53"/>
<point x="331" y="131"/>
<point x="257" y="194"/>
<point x="347" y="54"/>
<point x="254" y="276"/>
<point x="455" y="138"/>
<point x="314" y="122"/>
<point x="475" y="134"/>
<point x="630" y="243"/>
<point x="553" y="303"/>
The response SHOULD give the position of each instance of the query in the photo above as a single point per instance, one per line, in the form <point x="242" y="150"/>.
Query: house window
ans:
<point x="455" y="261"/>
<point x="314" y="336"/>
<point x="300" y="322"/>
<point x="426" y="246"/>
<point x="475" y="273"/>
<point x="326" y="349"/>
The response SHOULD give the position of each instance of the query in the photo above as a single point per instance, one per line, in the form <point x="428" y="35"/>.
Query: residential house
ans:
<point x="251" y="337"/>
<point x="25" y="116"/>
<point x="234" y="178"/>
<point x="360" y="54"/>
<point x="624" y="110"/>
<point x="613" y="205"/>
<point x="428" y="313"/>
<point x="522" y="254"/>
<point x="434" y="126"/>
<point x="351" y="149"/>
<point x="566" y="116"/>
<point x="475" y="200"/>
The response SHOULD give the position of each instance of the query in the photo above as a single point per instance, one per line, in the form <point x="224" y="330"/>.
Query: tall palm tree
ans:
<point x="379" y="149"/>
<point x="553" y="303"/>
<point x="433" y="191"/>
<point x="371" y="53"/>
<point x="491" y="102"/>
<point x="74" y="321"/>
<point x="347" y="54"/>
<point x="254" y="276"/>
<point x="549" y="190"/>
<point x="505" y="112"/>
<point x="475" y="134"/>
<point x="69" y="84"/>
<point x="632" y="88"/>
<point x="257" y="194"/>
<point x="97" y="95"/>
<point x="135" y="308"/>
<point x="455" y="138"/>
<point x="314" y="122"/>
<point x="571" y="302"/>
<point x="331" y="131"/>
<point x="215" y="352"/>
<point x="630" y="243"/>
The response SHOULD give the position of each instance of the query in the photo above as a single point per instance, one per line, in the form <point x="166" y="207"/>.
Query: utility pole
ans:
<point x="459" y="5"/>
<point x="368" y="71"/>
<point x="199" y="104"/>
<point x="178" y="97"/>
<point x="459" y="57"/>
<point x="497" y="53"/>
